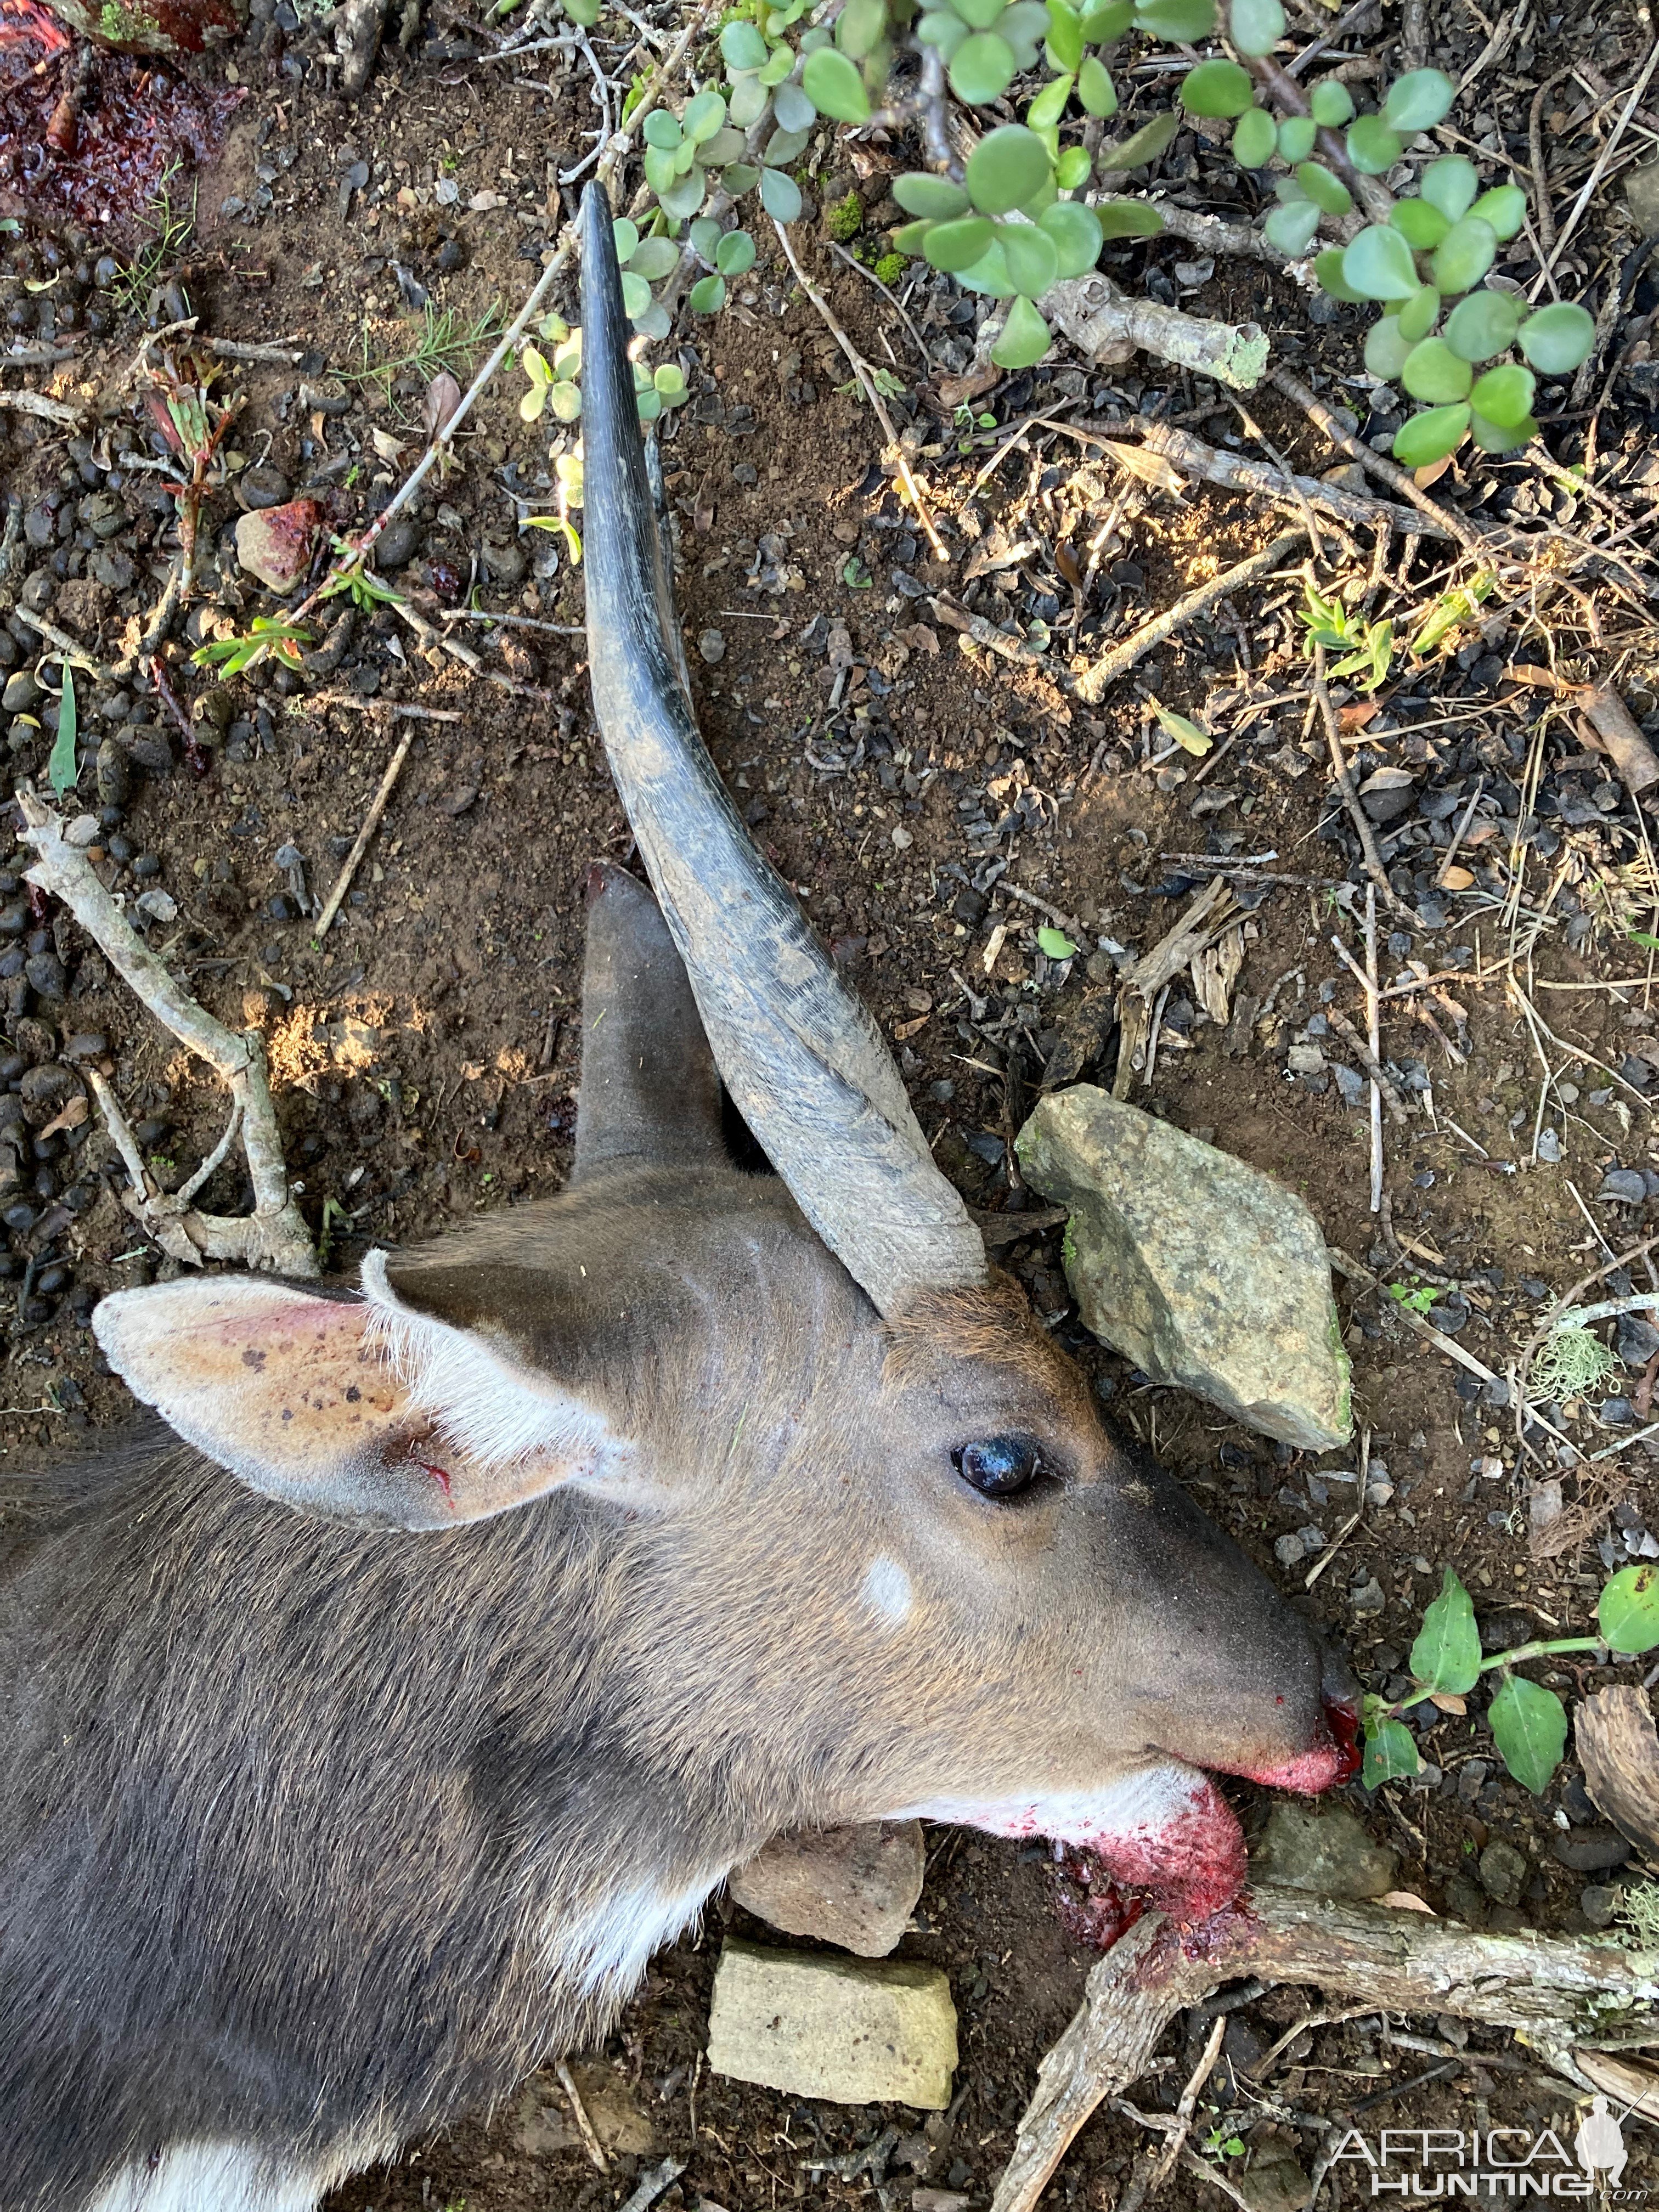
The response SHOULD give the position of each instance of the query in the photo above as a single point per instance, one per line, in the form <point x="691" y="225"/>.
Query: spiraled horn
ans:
<point x="799" y="1053"/>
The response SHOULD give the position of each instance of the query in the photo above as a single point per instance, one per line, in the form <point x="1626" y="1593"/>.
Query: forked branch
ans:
<point x="274" y="1236"/>
<point x="1563" y="1999"/>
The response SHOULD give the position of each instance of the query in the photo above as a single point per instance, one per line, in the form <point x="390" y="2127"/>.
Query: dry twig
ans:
<point x="1092" y="684"/>
<point x="274" y="1235"/>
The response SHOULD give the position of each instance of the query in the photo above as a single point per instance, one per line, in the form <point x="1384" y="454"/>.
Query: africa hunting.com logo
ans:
<point x="1426" y="2163"/>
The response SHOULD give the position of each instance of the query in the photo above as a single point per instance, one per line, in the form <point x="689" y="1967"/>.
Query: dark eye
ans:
<point x="997" y="1466"/>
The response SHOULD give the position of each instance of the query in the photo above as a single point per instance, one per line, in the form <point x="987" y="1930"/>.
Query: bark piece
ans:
<point x="1618" y="1749"/>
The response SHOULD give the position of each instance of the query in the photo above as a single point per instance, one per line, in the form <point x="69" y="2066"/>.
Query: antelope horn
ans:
<point x="799" y="1053"/>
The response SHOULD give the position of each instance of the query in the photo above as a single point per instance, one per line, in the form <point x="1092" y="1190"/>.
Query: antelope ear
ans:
<point x="353" y="1409"/>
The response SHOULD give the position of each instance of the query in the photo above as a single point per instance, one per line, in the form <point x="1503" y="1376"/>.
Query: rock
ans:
<point x="1598" y="1903"/>
<point x="114" y="777"/>
<point x="274" y="543"/>
<point x="22" y="694"/>
<point x="855" y="1887"/>
<point x="1466" y="1901"/>
<point x="1591" y="1851"/>
<point x="711" y="646"/>
<point x="262" y="486"/>
<point x="1201" y="1270"/>
<point x="1642" y="194"/>
<point x="543" y="2120"/>
<point x="1329" y="1852"/>
<point x="397" y="544"/>
<point x="1272" y="2180"/>
<point x="1503" y="1872"/>
<point x="855" y="2031"/>
<point x="1625" y="1185"/>
<point x="504" y="564"/>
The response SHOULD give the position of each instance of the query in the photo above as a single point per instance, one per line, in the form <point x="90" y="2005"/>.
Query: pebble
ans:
<point x="856" y="1886"/>
<point x="506" y="564"/>
<point x="1624" y="1184"/>
<point x="114" y="776"/>
<point x="45" y="971"/>
<point x="22" y="694"/>
<point x="1327" y="1852"/>
<point x="1598" y="1903"/>
<point x="853" y="2031"/>
<point x="1503" y="1872"/>
<point x="711" y="646"/>
<point x="263" y="486"/>
<point x="1590" y="1850"/>
<point x="397" y="544"/>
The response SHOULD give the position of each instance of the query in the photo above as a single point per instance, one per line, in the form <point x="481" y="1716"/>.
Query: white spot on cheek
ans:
<point x="886" y="1590"/>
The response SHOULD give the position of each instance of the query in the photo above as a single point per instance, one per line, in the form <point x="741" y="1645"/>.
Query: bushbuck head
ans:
<point x="593" y="1547"/>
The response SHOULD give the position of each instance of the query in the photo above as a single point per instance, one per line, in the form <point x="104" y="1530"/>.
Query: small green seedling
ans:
<point x="1528" y="1723"/>
<point x="270" y="638"/>
<point x="62" y="768"/>
<point x="1367" y="647"/>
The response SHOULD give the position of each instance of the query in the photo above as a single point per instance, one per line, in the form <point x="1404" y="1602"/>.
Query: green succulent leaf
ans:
<point x="1431" y="371"/>
<point x="982" y="68"/>
<point x="1256" y="138"/>
<point x="1628" y="1612"/>
<point x="1327" y="192"/>
<point x="746" y="102"/>
<point x="670" y="383"/>
<point x="1290" y="230"/>
<point x="584" y="12"/>
<point x="1095" y="87"/>
<point x="1142" y="147"/>
<point x="1218" y="88"/>
<point x="909" y="237"/>
<point x="1504" y="395"/>
<point x="779" y="195"/>
<point x="1107" y="22"/>
<point x="1297" y="137"/>
<point x="918" y="193"/>
<point x="726" y="145"/>
<point x="1419" y="315"/>
<point x="1024" y="339"/>
<point x="1029" y="256"/>
<point x="1128" y="218"/>
<point x="942" y="29"/>
<point x="1378" y="263"/>
<point x="1418" y="101"/>
<point x="1387" y="348"/>
<point x="705" y="237"/>
<point x="988" y="274"/>
<point x="742" y="46"/>
<point x="705" y="115"/>
<point x="1450" y="185"/>
<point x="779" y="63"/>
<point x="959" y="244"/>
<point x="1529" y="1727"/>
<point x="1430" y="436"/>
<point x="1483" y="324"/>
<point x="1074" y="168"/>
<point x="735" y="254"/>
<point x="652" y="259"/>
<point x="627" y="237"/>
<point x="1500" y="438"/>
<point x="860" y="27"/>
<point x="1557" y="339"/>
<point x="1008" y="167"/>
<point x="1023" y="26"/>
<point x="1464" y="254"/>
<point x="1181" y="21"/>
<point x="743" y="176"/>
<point x="793" y="110"/>
<point x="1075" y="231"/>
<point x="707" y="296"/>
<point x="1045" y="110"/>
<point x="1065" y="37"/>
<point x="649" y="403"/>
<point x="662" y="129"/>
<point x="1419" y="224"/>
<point x="683" y="197"/>
<point x="1257" y="26"/>
<point x="835" y="86"/>
<point x="1447" y="1653"/>
<point x="1504" y="208"/>
<point x="636" y="294"/>
<point x="565" y="402"/>
<point x="1372" y="147"/>
<point x="1327" y="268"/>
<point x="62" y="768"/>
<point x="978" y="15"/>
<point x="1331" y="104"/>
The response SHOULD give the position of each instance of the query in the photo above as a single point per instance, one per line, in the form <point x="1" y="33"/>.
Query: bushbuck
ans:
<point x="369" y="1725"/>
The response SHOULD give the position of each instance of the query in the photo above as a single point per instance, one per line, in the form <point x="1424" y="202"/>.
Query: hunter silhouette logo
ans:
<point x="1599" y="2145"/>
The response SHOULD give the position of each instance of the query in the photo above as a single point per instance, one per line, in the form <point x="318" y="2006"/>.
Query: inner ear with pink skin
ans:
<point x="354" y="1409"/>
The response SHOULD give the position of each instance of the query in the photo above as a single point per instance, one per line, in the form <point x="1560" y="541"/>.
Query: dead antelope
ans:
<point x="365" y="1735"/>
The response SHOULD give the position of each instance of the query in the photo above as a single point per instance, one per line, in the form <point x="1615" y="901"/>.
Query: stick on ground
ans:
<point x="274" y="1236"/>
<point x="1096" y="680"/>
<point x="1556" y="1994"/>
<point x="371" y="823"/>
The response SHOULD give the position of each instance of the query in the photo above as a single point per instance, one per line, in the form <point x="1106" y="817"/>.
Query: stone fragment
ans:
<point x="1272" y="2178"/>
<point x="1203" y="1270"/>
<point x="275" y="543"/>
<point x="1642" y="194"/>
<point x="1591" y="1851"/>
<point x="855" y="2031"/>
<point x="1502" y="1872"/>
<point x="1598" y="1903"/>
<point x="855" y="1887"/>
<point x="1327" y="1851"/>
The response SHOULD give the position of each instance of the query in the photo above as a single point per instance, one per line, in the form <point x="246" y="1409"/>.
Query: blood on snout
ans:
<point x="1322" y="1765"/>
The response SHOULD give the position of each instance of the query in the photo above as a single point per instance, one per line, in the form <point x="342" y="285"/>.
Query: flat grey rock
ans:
<point x="854" y="2031"/>
<point x="1203" y="1270"/>
<point x="855" y="1887"/>
<point x="1329" y="1852"/>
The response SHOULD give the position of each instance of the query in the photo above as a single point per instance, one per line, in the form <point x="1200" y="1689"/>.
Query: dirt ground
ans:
<point x="425" y="1053"/>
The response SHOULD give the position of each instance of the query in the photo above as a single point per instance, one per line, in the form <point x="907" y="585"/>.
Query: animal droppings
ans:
<point x="855" y="2031"/>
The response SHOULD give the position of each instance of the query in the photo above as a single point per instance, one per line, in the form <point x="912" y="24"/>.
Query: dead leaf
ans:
<point x="1448" y="1701"/>
<point x="1455" y="879"/>
<point x="1618" y="1750"/>
<point x="443" y="397"/>
<point x="994" y="553"/>
<point x="471" y="1071"/>
<point x="1539" y="679"/>
<point x="74" y="1112"/>
<point x="1067" y="562"/>
<point x="1630" y="2081"/>
<point x="909" y="1029"/>
<point x="388" y="447"/>
<point x="1356" y="716"/>
<point x="1430" y="472"/>
<point x="920" y="639"/>
<point x="1152" y="468"/>
<point x="1406" y="1900"/>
